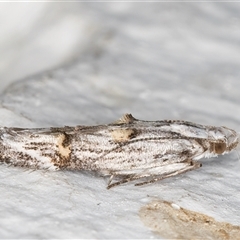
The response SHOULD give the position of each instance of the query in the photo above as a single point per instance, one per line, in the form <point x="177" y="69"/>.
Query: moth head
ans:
<point x="223" y="140"/>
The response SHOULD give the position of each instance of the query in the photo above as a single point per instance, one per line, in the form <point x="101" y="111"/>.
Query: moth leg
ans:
<point x="124" y="180"/>
<point x="147" y="174"/>
<point x="110" y="179"/>
<point x="194" y="165"/>
<point x="124" y="176"/>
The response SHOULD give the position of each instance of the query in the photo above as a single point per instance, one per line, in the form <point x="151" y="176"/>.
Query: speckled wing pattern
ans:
<point x="126" y="150"/>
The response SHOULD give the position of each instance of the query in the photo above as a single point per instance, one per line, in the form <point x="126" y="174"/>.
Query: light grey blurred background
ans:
<point x="88" y="63"/>
<point x="39" y="36"/>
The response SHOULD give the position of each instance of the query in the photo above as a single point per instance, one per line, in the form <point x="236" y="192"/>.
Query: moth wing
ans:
<point x="43" y="148"/>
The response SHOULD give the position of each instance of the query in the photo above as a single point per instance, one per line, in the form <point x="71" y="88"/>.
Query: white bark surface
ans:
<point x="154" y="60"/>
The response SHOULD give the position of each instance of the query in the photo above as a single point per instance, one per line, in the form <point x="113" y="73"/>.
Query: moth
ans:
<point x="126" y="150"/>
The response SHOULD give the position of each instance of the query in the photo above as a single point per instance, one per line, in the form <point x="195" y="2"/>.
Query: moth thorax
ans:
<point x="218" y="147"/>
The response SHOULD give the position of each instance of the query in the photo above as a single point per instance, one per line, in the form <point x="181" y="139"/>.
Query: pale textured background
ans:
<point x="154" y="60"/>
